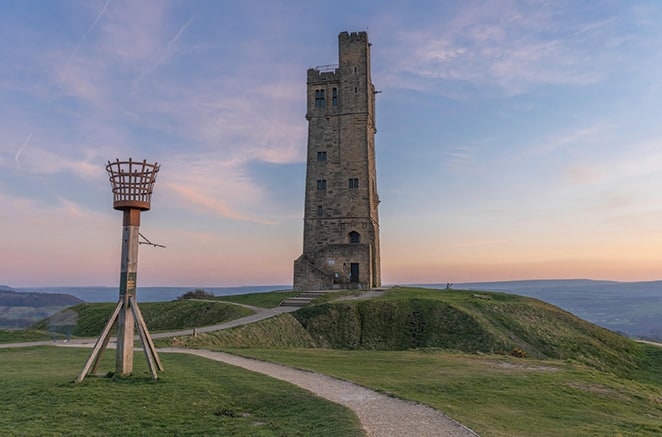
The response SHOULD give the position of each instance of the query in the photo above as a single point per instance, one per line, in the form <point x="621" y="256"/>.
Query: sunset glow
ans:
<point x="515" y="140"/>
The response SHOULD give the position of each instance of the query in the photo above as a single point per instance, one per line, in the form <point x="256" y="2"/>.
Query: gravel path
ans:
<point x="380" y="415"/>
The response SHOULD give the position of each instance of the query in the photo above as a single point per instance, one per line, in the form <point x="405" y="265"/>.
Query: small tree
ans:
<point x="198" y="293"/>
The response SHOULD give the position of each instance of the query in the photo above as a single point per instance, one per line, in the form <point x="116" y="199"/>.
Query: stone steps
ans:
<point x="302" y="299"/>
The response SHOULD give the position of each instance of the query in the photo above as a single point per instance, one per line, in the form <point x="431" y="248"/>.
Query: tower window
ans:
<point x="356" y="90"/>
<point x="353" y="183"/>
<point x="320" y="211"/>
<point x="356" y="69"/>
<point x="354" y="237"/>
<point x="321" y="156"/>
<point x="319" y="99"/>
<point x="321" y="184"/>
<point x="334" y="97"/>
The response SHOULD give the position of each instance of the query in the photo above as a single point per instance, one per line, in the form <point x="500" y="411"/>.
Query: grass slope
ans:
<point x="269" y="299"/>
<point x="193" y="397"/>
<point x="277" y="332"/>
<point x="406" y="318"/>
<point x="89" y="319"/>
<point x="26" y="335"/>
<point x="496" y="395"/>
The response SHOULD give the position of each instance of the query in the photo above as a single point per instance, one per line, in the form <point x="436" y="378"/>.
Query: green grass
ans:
<point x="89" y="319"/>
<point x="496" y="395"/>
<point x="25" y="335"/>
<point x="18" y="316"/>
<point x="484" y="322"/>
<point x="269" y="299"/>
<point x="276" y="332"/>
<point x="334" y="295"/>
<point x="406" y="318"/>
<point x="193" y="397"/>
<point x="451" y="349"/>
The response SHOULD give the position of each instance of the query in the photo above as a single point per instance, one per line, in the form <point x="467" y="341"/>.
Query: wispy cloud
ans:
<point x="124" y="77"/>
<point x="578" y="137"/>
<point x="163" y="54"/>
<point x="505" y="47"/>
<point x="45" y="162"/>
<point x="581" y="174"/>
<point x="211" y="185"/>
<point x="193" y="196"/>
<point x="459" y="157"/>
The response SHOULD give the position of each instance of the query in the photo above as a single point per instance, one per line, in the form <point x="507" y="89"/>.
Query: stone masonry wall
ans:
<point x="341" y="225"/>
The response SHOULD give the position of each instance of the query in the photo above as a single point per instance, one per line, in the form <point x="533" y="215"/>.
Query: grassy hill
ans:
<point x="502" y="364"/>
<point x="408" y="318"/>
<point x="89" y="319"/>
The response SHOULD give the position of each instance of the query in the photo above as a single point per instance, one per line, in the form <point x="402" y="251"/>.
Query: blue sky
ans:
<point x="516" y="139"/>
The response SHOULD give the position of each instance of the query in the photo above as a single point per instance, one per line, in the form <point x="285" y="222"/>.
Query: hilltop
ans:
<point x="411" y="318"/>
<point x="502" y="364"/>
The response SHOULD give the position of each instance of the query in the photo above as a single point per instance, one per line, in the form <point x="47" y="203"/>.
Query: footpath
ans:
<point x="380" y="415"/>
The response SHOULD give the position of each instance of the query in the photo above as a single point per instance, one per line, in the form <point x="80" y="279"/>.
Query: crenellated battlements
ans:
<point x="354" y="36"/>
<point x="323" y="74"/>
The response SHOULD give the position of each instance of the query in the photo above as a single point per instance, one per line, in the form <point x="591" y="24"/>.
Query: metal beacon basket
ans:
<point x="132" y="183"/>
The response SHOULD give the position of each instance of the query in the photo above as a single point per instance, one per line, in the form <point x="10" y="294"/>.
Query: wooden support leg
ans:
<point x="143" y="340"/>
<point x="101" y="344"/>
<point x="97" y="361"/>
<point x="143" y="326"/>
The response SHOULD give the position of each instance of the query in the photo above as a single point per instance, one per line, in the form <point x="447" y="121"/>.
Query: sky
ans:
<point x="515" y="139"/>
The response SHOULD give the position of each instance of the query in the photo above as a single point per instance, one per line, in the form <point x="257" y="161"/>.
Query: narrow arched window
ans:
<point x="319" y="98"/>
<point x="354" y="237"/>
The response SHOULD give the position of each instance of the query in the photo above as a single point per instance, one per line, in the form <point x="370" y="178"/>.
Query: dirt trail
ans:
<point x="380" y="415"/>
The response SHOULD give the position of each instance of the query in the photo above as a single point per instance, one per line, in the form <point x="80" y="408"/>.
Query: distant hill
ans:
<point x="633" y="308"/>
<point x="11" y="298"/>
<point x="20" y="309"/>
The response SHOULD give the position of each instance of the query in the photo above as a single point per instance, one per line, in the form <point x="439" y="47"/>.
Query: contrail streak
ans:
<point x="85" y="35"/>
<point x="96" y="20"/>
<point x="25" y="143"/>
<point x="180" y="31"/>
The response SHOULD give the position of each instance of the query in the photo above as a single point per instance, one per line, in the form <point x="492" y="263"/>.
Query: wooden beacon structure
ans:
<point x="132" y="185"/>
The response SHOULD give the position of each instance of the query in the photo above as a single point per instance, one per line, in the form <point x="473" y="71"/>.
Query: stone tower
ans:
<point x="341" y="225"/>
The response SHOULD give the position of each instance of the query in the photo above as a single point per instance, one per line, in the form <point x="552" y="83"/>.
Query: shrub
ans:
<point x="519" y="353"/>
<point x="196" y="294"/>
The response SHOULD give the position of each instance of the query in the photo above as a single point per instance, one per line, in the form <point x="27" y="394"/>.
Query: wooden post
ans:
<point x="132" y="184"/>
<point x="129" y="269"/>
